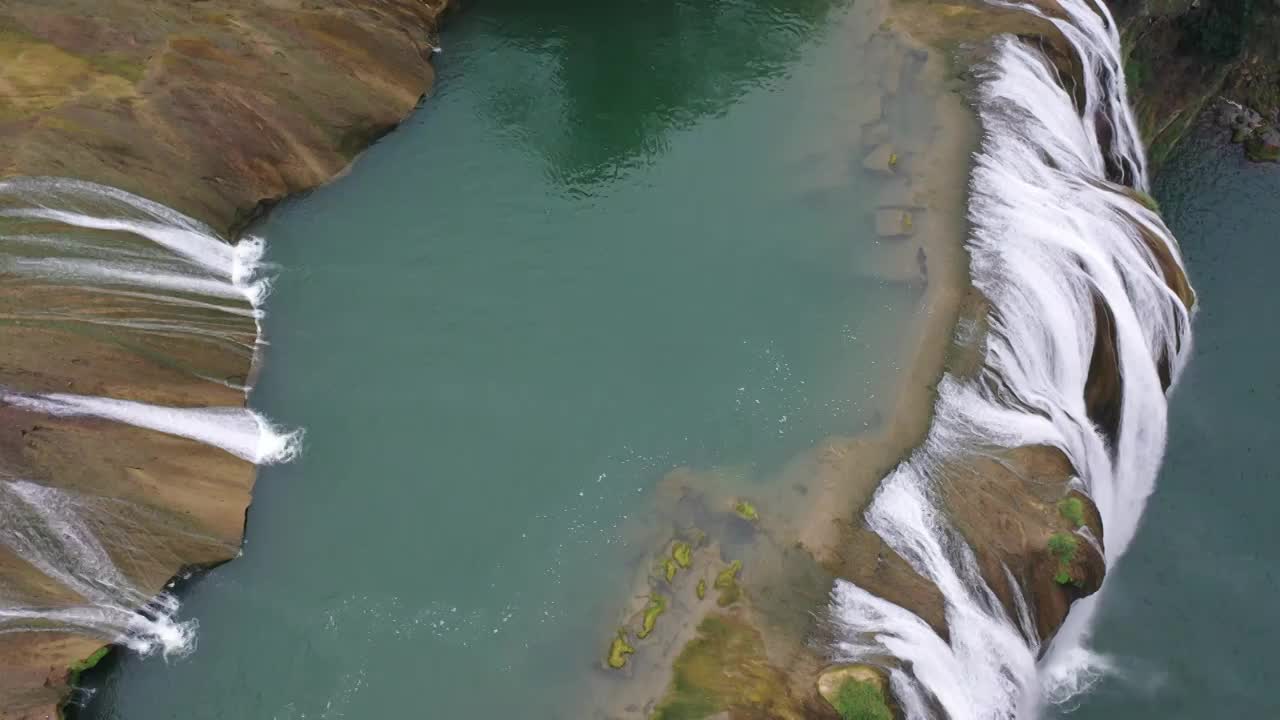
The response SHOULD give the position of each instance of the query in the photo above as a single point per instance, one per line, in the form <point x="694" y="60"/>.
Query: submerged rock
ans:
<point x="881" y="160"/>
<point x="726" y="669"/>
<point x="727" y="584"/>
<point x="894" y="223"/>
<point x="618" y="651"/>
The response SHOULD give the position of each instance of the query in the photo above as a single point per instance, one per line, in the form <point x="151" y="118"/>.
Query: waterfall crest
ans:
<point x="1057" y="230"/>
<point x="134" y="267"/>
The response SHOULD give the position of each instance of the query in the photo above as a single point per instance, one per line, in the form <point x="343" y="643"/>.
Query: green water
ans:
<point x="614" y="242"/>
<point x="1190" y="617"/>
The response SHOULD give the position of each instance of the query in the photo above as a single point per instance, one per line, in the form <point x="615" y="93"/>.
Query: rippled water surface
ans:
<point x="617" y="240"/>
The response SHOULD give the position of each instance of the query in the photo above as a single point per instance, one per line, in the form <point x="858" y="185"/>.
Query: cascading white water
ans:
<point x="240" y="431"/>
<point x="193" y="249"/>
<point x="1051" y="230"/>
<point x="191" y="283"/>
<point x="49" y="529"/>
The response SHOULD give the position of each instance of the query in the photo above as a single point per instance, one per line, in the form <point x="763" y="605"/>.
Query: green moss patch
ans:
<point x="861" y="700"/>
<point x="1147" y="201"/>
<point x="723" y="669"/>
<point x="80" y="666"/>
<point x="1072" y="508"/>
<point x="657" y="606"/>
<point x="669" y="569"/>
<point x="746" y="511"/>
<point x="682" y="553"/>
<point x="619" y="650"/>
<point x="701" y="589"/>
<point x="727" y="584"/>
<point x="1063" y="546"/>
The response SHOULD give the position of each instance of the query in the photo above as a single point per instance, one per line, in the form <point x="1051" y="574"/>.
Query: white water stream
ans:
<point x="180" y="266"/>
<point x="1052" y="229"/>
<point x="50" y="529"/>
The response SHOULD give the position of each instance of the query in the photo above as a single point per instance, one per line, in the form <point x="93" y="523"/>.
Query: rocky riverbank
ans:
<point x="1185" y="57"/>
<point x="216" y="109"/>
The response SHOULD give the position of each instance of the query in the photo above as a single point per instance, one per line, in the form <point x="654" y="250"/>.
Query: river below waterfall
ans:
<point x="615" y="241"/>
<point x="1188" y="619"/>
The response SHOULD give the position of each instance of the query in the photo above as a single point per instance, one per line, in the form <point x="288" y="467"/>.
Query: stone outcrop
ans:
<point x="1181" y="55"/>
<point x="216" y="108"/>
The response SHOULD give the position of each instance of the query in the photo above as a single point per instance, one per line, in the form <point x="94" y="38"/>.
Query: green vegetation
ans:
<point x="1063" y="546"/>
<point x="125" y="66"/>
<point x="727" y="584"/>
<point x="1258" y="151"/>
<point x="669" y="569"/>
<point x="724" y="669"/>
<point x="861" y="700"/>
<point x="1072" y="508"/>
<point x="746" y="511"/>
<point x="1135" y="72"/>
<point x="80" y="666"/>
<point x="619" y="650"/>
<point x="1217" y="29"/>
<point x="701" y="590"/>
<point x="682" y="554"/>
<point x="1147" y="201"/>
<point x="657" y="606"/>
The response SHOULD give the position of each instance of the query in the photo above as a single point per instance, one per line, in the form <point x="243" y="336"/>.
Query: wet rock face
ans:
<point x="1258" y="132"/>
<point x="215" y="109"/>
<point x="1181" y="57"/>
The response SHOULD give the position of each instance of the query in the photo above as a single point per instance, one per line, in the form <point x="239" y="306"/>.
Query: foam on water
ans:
<point x="1052" y="228"/>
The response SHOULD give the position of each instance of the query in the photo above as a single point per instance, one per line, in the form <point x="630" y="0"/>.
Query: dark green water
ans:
<point x="1190" y="617"/>
<point x="616" y="241"/>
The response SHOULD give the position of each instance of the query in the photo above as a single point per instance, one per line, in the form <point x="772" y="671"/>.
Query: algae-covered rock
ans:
<point x="657" y="606"/>
<point x="682" y="553"/>
<point x="90" y="662"/>
<point x="894" y="223"/>
<point x="882" y="160"/>
<point x="1072" y="510"/>
<point x="724" y="669"/>
<point x="669" y="569"/>
<point x="727" y="583"/>
<point x="746" y="511"/>
<point x="618" y="651"/>
<point x="701" y="589"/>
<point x="1063" y="547"/>
<point x="856" y="692"/>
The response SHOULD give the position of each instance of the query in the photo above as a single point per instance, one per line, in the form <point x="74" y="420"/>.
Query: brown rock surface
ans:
<point x="217" y="109"/>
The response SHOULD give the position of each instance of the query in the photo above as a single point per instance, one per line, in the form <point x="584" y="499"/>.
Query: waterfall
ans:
<point x="1054" y="226"/>
<point x="176" y="278"/>
<point x="85" y="236"/>
<point x="240" y="431"/>
<point x="50" y="529"/>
